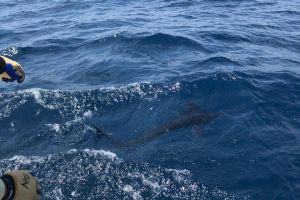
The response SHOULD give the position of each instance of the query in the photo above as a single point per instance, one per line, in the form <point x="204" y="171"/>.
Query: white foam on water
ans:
<point x="10" y="51"/>
<point x="26" y="159"/>
<point x="175" y="87"/>
<point x="88" y="114"/>
<point x="226" y="76"/>
<point x="147" y="181"/>
<point x="54" y="127"/>
<point x="134" y="194"/>
<point x="108" y="154"/>
<point x="65" y="176"/>
<point x="128" y="188"/>
<point x="57" y="194"/>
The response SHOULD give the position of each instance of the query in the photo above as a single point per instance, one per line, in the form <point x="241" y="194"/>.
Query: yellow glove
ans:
<point x="11" y="70"/>
<point x="21" y="185"/>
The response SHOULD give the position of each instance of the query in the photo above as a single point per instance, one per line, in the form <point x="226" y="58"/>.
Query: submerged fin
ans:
<point x="101" y="133"/>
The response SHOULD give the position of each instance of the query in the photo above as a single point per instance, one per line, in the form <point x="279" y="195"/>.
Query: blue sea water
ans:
<point x="130" y="66"/>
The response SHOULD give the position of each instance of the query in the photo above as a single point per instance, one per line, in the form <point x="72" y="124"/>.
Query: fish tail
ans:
<point x="100" y="132"/>
<point x="115" y="142"/>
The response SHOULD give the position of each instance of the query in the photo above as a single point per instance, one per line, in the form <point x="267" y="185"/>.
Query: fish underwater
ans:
<point x="193" y="116"/>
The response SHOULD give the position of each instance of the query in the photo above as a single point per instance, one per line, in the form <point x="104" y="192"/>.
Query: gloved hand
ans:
<point x="7" y="79"/>
<point x="11" y="80"/>
<point x="21" y="185"/>
<point x="21" y="80"/>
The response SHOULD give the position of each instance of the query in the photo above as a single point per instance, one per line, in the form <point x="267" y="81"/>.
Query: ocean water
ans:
<point x="130" y="66"/>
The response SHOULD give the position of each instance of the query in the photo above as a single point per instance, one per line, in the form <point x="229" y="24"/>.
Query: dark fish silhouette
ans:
<point x="192" y="117"/>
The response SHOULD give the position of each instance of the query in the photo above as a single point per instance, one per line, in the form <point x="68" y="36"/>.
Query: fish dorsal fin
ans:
<point x="192" y="107"/>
